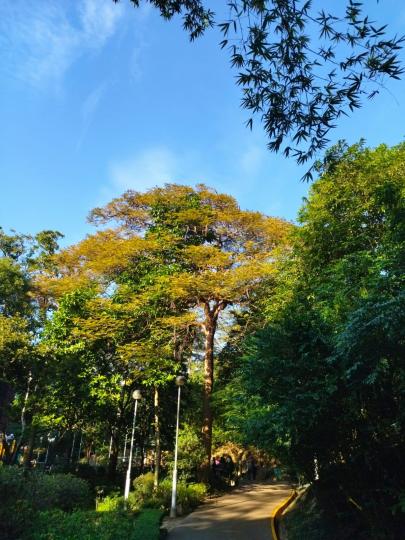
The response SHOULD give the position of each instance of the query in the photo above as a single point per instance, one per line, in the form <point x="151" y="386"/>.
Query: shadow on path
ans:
<point x="243" y="514"/>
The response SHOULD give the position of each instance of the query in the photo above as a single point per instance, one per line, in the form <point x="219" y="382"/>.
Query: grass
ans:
<point x="147" y="525"/>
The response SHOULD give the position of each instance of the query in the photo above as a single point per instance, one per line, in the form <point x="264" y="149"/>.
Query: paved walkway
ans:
<point x="243" y="514"/>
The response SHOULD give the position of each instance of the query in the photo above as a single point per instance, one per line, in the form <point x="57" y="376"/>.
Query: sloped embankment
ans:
<point x="318" y="515"/>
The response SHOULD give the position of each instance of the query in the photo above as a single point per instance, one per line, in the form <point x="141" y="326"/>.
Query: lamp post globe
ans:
<point x="136" y="396"/>
<point x="180" y="380"/>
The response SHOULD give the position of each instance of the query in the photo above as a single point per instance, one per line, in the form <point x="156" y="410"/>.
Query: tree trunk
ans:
<point x="30" y="450"/>
<point x="113" y="459"/>
<point x="23" y="420"/>
<point x="209" y="328"/>
<point x="116" y="429"/>
<point x="158" y="450"/>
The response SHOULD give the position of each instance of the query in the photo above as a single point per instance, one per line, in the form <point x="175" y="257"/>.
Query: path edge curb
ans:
<point x="277" y="512"/>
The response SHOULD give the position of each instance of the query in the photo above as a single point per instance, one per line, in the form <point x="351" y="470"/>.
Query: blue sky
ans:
<point x="96" y="98"/>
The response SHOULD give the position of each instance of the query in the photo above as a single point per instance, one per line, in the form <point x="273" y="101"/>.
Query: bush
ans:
<point x="143" y="484"/>
<point x="191" y="453"/>
<point x="112" y="503"/>
<point x="189" y="496"/>
<point x="62" y="491"/>
<point x="22" y="493"/>
<point x="89" y="525"/>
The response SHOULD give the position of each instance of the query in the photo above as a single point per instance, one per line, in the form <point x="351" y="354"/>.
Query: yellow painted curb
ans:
<point x="277" y="513"/>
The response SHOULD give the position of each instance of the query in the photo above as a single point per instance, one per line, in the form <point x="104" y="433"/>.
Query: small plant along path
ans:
<point x="243" y="514"/>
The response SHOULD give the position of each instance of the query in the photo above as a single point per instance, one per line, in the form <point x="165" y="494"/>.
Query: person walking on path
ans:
<point x="243" y="514"/>
<point x="251" y="467"/>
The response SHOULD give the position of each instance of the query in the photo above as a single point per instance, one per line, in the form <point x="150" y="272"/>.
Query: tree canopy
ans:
<point x="292" y="336"/>
<point x="176" y="257"/>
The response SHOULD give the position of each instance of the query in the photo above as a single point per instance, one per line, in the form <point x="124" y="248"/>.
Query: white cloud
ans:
<point x="135" y="64"/>
<point x="155" y="166"/>
<point x="89" y="109"/>
<point x="99" y="19"/>
<point x="252" y="159"/>
<point x="140" y="18"/>
<point x="145" y="169"/>
<point x="92" y="101"/>
<point x="152" y="167"/>
<point x="41" y="39"/>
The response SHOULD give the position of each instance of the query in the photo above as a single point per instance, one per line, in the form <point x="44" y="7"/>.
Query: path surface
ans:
<point x="243" y="514"/>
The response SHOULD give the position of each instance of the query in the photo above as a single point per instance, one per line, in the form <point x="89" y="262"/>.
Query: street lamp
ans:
<point x="180" y="381"/>
<point x="137" y="396"/>
<point x="51" y="439"/>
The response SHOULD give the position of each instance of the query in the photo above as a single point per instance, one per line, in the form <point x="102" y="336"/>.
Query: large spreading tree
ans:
<point x="180" y="256"/>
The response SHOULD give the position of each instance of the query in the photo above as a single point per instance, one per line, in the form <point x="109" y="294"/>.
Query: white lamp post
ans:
<point x="51" y="439"/>
<point x="180" y="381"/>
<point x="137" y="396"/>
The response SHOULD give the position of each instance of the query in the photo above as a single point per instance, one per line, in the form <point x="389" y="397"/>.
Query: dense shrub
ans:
<point x="188" y="495"/>
<point x="141" y="499"/>
<point x="22" y="493"/>
<point x="63" y="491"/>
<point x="112" y="503"/>
<point x="89" y="525"/>
<point x="143" y="485"/>
<point x="191" y="453"/>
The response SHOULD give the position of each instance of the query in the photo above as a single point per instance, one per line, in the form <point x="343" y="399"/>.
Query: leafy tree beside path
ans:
<point x="326" y="376"/>
<point x="191" y="250"/>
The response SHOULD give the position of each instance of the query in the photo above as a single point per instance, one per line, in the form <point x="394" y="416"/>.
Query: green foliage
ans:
<point x="143" y="487"/>
<point x="189" y="495"/>
<point x="63" y="491"/>
<point x="24" y="493"/>
<point x="44" y="491"/>
<point x="327" y="371"/>
<point x="147" y="526"/>
<point x="14" y="287"/>
<point x="82" y="525"/>
<point x="112" y="503"/>
<point x="22" y="313"/>
<point x="191" y="452"/>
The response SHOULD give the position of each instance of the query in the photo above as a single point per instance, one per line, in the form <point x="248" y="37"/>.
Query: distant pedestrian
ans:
<point x="214" y="465"/>
<point x="222" y="466"/>
<point x="251" y="467"/>
<point x="277" y="472"/>
<point x="229" y="467"/>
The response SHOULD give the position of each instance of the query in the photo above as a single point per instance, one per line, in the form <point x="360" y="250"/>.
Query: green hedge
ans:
<point x="89" y="525"/>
